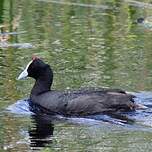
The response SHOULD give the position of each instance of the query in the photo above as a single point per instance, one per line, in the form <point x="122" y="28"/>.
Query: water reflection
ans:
<point x="41" y="131"/>
<point x="87" y="43"/>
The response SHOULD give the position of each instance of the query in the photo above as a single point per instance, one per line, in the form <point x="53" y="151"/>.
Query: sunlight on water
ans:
<point x="75" y="4"/>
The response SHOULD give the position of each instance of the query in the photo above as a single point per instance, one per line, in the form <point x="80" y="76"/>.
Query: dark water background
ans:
<point x="88" y="43"/>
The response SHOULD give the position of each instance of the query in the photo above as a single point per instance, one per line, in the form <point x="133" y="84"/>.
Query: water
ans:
<point x="88" y="44"/>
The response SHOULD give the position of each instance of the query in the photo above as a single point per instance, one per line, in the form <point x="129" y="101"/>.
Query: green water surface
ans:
<point x="88" y="43"/>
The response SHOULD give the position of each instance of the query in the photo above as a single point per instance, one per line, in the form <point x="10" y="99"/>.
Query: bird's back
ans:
<point x="85" y="101"/>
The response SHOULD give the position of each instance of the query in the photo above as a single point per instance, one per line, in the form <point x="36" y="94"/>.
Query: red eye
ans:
<point x="34" y="57"/>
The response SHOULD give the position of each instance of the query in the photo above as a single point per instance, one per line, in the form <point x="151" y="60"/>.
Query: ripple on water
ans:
<point x="21" y="107"/>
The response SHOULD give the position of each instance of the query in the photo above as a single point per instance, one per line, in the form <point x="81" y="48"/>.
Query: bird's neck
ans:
<point x="43" y="83"/>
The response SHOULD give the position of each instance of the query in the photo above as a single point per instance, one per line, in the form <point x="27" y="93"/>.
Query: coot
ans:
<point x="73" y="103"/>
<point x="146" y="22"/>
<point x="140" y="20"/>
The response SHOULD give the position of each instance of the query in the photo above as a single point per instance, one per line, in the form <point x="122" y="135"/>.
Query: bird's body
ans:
<point x="84" y="101"/>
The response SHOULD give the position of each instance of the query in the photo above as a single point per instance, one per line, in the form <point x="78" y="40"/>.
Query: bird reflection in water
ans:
<point x="42" y="130"/>
<point x="40" y="133"/>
